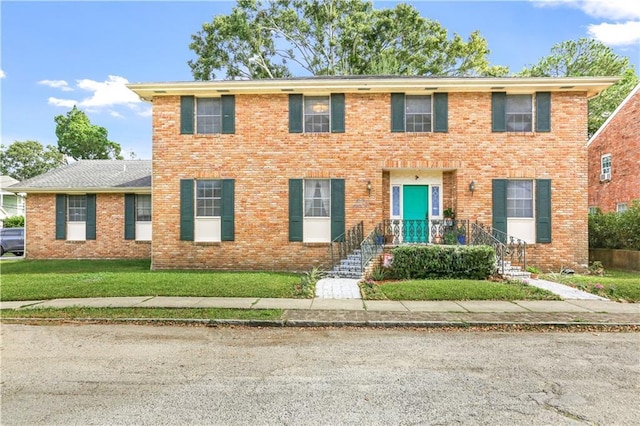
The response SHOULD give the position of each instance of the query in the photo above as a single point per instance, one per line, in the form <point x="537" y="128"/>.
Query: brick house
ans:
<point x="265" y="174"/>
<point x="89" y="209"/>
<point x="614" y="158"/>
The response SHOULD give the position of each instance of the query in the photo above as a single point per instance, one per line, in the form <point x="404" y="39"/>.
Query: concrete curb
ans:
<point x="334" y="323"/>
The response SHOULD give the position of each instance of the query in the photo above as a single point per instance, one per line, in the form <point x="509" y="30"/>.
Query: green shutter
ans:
<point x="499" y="206"/>
<point x="295" y="113"/>
<point x="397" y="112"/>
<point x="129" y="216"/>
<point x="543" y="211"/>
<point x="91" y="217"/>
<point x="441" y="111"/>
<point x="337" y="209"/>
<point x="187" y="104"/>
<point x="228" y="114"/>
<point x="337" y="113"/>
<point x="543" y="111"/>
<point x="227" y="210"/>
<point x="295" y="210"/>
<point x="61" y="217"/>
<point x="186" y="209"/>
<point x="499" y="112"/>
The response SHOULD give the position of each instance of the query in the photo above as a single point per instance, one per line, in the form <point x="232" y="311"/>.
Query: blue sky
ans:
<point x="57" y="54"/>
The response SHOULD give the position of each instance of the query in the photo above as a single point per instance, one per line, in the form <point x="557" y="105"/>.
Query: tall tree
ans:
<point x="587" y="57"/>
<point x="24" y="160"/>
<point x="332" y="37"/>
<point x="80" y="139"/>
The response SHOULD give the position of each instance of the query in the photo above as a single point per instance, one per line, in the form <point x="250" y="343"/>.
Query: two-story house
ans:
<point x="614" y="158"/>
<point x="265" y="174"/>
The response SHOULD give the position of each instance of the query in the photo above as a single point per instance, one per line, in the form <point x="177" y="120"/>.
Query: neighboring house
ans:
<point x="614" y="158"/>
<point x="265" y="174"/>
<point x="89" y="209"/>
<point x="11" y="204"/>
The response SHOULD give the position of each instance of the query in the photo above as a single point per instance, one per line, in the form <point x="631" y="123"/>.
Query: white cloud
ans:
<point x="624" y="34"/>
<point x="67" y="103"/>
<point x="56" y="84"/>
<point x="104" y="96"/>
<point x="147" y="112"/>
<point x="622" y="26"/>
<point x="2" y="74"/>
<point x="604" y="9"/>
<point x="108" y="93"/>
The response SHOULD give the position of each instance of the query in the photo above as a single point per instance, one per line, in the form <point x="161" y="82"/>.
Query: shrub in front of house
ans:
<point x="463" y="262"/>
<point x="616" y="230"/>
<point x="14" y="222"/>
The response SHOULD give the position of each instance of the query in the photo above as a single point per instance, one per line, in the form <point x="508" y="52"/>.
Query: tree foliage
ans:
<point x="332" y="37"/>
<point x="80" y="139"/>
<point x="588" y="57"/>
<point x="23" y="160"/>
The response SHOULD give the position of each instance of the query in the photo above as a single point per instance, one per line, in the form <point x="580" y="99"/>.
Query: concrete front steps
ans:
<point x="514" y="272"/>
<point x="351" y="267"/>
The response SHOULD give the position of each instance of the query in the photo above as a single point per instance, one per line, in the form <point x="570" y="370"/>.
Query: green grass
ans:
<point x="614" y="285"/>
<point x="457" y="290"/>
<point x="143" y="313"/>
<point x="52" y="279"/>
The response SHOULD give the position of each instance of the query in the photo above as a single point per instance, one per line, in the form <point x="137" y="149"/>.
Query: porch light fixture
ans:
<point x="472" y="186"/>
<point x="369" y="187"/>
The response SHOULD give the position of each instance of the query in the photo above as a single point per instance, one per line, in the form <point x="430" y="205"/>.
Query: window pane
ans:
<point x="418" y="113"/>
<point x="208" y="197"/>
<point x="208" y="115"/>
<point x="77" y="208"/>
<point x="396" y="201"/>
<point x="606" y="164"/>
<point x="520" y="198"/>
<point x="519" y="113"/>
<point x="316" y="114"/>
<point x="143" y="208"/>
<point x="317" y="197"/>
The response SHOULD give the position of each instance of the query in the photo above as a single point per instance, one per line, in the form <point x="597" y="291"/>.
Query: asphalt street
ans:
<point x="150" y="375"/>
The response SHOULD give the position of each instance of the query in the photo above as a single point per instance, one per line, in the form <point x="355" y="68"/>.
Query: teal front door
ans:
<point x="415" y="213"/>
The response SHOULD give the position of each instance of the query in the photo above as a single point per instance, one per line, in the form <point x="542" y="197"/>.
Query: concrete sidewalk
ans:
<point x="331" y="312"/>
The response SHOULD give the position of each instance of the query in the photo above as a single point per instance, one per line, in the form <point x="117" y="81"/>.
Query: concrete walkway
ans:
<point x="564" y="291"/>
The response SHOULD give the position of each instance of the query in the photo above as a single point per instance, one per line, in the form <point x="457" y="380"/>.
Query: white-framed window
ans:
<point x="77" y="208"/>
<point x="143" y="208"/>
<point x="418" y="113"/>
<point x="317" y="211"/>
<point x="520" y="198"/>
<point x="317" y="198"/>
<point x="208" y="198"/>
<point x="317" y="114"/>
<point x="519" y="113"/>
<point x="208" y="115"/>
<point x="621" y="207"/>
<point x="76" y="217"/>
<point x="605" y="167"/>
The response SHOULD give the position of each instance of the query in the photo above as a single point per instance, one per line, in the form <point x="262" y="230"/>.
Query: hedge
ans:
<point x="616" y="230"/>
<point x="462" y="262"/>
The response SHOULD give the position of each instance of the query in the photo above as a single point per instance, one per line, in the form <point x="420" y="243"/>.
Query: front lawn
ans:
<point x="614" y="285"/>
<point x="53" y="279"/>
<point x="454" y="290"/>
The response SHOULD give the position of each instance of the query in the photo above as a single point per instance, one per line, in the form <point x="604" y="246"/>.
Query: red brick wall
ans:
<point x="262" y="156"/>
<point x="41" y="240"/>
<point x="621" y="139"/>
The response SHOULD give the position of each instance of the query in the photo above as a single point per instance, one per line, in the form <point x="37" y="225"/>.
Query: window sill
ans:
<point x="521" y="134"/>
<point x="76" y="241"/>
<point x="143" y="241"/>
<point x="315" y="244"/>
<point x="207" y="243"/>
